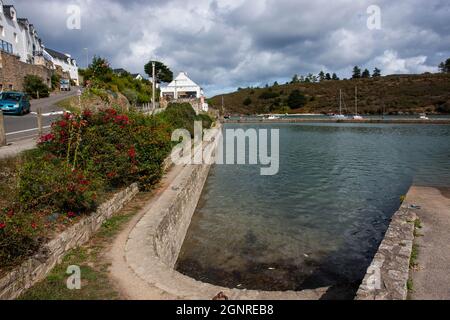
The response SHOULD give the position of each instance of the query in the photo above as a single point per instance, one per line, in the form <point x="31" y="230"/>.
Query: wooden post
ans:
<point x="2" y="130"/>
<point x="39" y="121"/>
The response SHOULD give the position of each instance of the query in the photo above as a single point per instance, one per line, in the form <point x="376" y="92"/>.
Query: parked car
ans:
<point x="15" y="103"/>
<point x="65" y="85"/>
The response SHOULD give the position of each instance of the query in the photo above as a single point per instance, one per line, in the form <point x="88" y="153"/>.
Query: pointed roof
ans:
<point x="182" y="80"/>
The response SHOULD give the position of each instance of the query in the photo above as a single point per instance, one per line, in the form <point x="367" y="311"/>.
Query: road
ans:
<point x="23" y="127"/>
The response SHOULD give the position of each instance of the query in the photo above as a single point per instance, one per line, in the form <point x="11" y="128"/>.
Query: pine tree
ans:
<point x="356" y="73"/>
<point x="328" y="76"/>
<point x="335" y="77"/>
<point x="295" y="79"/>
<point x="366" y="74"/>
<point x="376" y="73"/>
<point x="321" y="76"/>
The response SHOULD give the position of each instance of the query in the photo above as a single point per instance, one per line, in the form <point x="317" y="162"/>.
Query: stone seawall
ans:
<point x="36" y="268"/>
<point x="387" y="276"/>
<point x="153" y="246"/>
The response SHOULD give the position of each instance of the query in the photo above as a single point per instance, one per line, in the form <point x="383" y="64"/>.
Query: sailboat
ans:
<point x="340" y="116"/>
<point x="356" y="116"/>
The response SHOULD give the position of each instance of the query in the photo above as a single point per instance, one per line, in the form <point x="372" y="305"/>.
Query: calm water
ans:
<point x="320" y="220"/>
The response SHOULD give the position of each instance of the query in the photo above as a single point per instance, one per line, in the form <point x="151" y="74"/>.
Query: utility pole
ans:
<point x="154" y="85"/>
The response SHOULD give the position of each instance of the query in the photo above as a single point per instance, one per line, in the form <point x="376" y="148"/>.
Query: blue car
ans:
<point x="14" y="103"/>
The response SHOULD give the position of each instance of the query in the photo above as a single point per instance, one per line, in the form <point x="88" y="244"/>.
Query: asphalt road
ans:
<point x="22" y="127"/>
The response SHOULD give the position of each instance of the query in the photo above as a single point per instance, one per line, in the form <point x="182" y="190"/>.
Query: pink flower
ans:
<point x="2" y="225"/>
<point x="71" y="214"/>
<point x="47" y="138"/>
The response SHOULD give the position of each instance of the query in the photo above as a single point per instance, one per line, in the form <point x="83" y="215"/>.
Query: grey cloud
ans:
<point x="224" y="44"/>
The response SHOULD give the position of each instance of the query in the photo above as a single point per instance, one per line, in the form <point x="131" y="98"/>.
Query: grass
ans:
<point x="414" y="256"/>
<point x="95" y="282"/>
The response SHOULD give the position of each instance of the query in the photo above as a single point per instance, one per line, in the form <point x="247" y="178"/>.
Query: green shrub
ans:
<point x="34" y="86"/>
<point x="19" y="235"/>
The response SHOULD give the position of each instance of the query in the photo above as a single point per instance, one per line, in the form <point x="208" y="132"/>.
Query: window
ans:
<point x="6" y="46"/>
<point x="2" y="31"/>
<point x="11" y="87"/>
<point x="16" y="38"/>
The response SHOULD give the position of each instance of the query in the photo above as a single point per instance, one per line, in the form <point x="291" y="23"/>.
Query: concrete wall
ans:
<point x="36" y="268"/>
<point x="388" y="274"/>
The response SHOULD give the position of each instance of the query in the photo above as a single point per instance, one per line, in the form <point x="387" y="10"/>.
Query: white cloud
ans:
<point x="391" y="63"/>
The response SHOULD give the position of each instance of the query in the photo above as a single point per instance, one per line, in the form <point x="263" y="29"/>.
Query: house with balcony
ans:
<point x="18" y="36"/>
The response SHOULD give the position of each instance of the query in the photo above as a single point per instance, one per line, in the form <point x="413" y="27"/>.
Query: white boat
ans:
<point x="424" y="117"/>
<point x="340" y="116"/>
<point x="357" y="116"/>
<point x="273" y="118"/>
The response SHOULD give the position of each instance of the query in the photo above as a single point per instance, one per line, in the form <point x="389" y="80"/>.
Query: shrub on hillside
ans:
<point x="35" y="86"/>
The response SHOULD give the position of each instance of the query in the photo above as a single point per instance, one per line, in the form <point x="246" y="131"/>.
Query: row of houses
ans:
<point x="19" y="38"/>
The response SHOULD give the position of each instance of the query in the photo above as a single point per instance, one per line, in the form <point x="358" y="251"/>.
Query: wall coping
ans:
<point x="388" y="274"/>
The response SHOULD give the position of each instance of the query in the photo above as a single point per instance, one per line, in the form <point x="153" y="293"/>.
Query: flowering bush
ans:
<point x="19" y="235"/>
<point x="83" y="156"/>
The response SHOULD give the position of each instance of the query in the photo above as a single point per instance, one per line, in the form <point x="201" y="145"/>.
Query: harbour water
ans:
<point x="320" y="220"/>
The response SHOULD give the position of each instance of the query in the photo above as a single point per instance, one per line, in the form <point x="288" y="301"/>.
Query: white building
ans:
<point x="66" y="62"/>
<point x="18" y="36"/>
<point x="182" y="88"/>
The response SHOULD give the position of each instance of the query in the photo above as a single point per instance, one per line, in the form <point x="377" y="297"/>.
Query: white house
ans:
<point x="137" y="76"/>
<point x="66" y="62"/>
<point x="182" y="88"/>
<point x="18" y="36"/>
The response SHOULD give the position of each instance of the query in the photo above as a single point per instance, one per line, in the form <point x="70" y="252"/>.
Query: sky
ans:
<point x="226" y="44"/>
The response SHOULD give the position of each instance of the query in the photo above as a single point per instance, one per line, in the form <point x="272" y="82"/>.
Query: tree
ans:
<point x="275" y="84"/>
<point x="444" y="67"/>
<point x="321" y="76"/>
<point x="163" y="73"/>
<point x="100" y="68"/>
<point x="376" y="73"/>
<point x="335" y="77"/>
<point x="328" y="77"/>
<point x="356" y="73"/>
<point x="296" y="100"/>
<point x="365" y="74"/>
<point x="247" y="101"/>
<point x="35" y="86"/>
<point x="295" y="79"/>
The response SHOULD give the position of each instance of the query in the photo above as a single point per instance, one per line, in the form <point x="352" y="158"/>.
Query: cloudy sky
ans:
<point x="225" y="44"/>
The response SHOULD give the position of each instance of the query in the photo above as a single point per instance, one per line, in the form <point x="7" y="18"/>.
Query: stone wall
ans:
<point x="36" y="268"/>
<point x="387" y="276"/>
<point x="13" y="71"/>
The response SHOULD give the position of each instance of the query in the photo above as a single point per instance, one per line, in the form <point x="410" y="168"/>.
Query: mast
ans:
<point x="356" y="100"/>
<point x="340" y="102"/>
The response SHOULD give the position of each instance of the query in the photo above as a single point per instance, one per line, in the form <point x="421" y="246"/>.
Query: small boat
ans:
<point x="272" y="117"/>
<point x="423" y="116"/>
<point x="357" y="116"/>
<point x="340" y="116"/>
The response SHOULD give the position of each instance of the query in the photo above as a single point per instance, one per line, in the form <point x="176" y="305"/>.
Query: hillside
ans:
<point x="398" y="93"/>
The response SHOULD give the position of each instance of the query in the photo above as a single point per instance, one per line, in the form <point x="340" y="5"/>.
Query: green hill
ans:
<point x="395" y="94"/>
